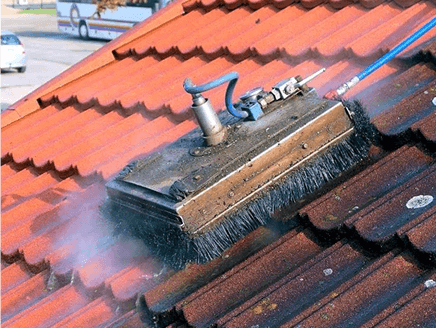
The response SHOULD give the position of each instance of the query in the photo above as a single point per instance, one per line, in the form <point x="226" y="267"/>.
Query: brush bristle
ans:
<point x="177" y="249"/>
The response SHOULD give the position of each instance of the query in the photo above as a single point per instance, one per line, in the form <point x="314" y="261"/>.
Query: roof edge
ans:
<point x="29" y="104"/>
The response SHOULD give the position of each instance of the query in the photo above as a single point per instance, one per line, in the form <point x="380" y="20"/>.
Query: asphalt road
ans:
<point x="50" y="52"/>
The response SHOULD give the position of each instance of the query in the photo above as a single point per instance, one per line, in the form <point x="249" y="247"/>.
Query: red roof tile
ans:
<point x="246" y="281"/>
<point x="356" y="254"/>
<point x="416" y="309"/>
<point x="360" y="302"/>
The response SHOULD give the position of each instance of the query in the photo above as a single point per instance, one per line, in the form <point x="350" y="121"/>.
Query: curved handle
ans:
<point x="231" y="77"/>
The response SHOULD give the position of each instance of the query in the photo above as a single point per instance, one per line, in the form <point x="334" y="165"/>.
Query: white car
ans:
<point x="13" y="54"/>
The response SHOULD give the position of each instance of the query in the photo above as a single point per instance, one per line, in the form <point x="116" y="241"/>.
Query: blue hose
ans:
<point x="232" y="77"/>
<point x="387" y="57"/>
<point x="395" y="51"/>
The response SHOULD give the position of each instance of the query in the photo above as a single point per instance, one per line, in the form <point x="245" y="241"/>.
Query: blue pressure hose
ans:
<point x="387" y="57"/>
<point x="231" y="77"/>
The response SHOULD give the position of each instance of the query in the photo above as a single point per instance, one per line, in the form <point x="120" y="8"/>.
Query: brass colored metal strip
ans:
<point x="210" y="206"/>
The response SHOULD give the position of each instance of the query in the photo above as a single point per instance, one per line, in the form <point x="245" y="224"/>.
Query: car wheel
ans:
<point x="21" y="69"/>
<point x="83" y="31"/>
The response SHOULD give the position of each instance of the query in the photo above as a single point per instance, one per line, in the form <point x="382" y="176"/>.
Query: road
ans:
<point x="50" y="53"/>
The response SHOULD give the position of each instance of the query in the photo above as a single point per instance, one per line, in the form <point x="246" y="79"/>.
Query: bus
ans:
<point x="81" y="18"/>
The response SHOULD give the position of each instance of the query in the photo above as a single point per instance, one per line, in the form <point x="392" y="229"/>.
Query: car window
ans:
<point x="10" y="40"/>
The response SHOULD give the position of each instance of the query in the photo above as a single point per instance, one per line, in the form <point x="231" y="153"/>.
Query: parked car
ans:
<point x="13" y="54"/>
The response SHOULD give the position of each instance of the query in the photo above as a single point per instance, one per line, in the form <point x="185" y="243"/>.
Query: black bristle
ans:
<point x="177" y="249"/>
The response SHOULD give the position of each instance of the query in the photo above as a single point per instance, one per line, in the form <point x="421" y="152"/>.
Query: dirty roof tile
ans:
<point x="182" y="283"/>
<point x="417" y="312"/>
<point x="139" y="276"/>
<point x="299" y="289"/>
<point x="393" y="210"/>
<point x="423" y="236"/>
<point x="427" y="126"/>
<point x="408" y="111"/>
<point x="239" y="285"/>
<point x="372" y="294"/>
<point x="331" y="210"/>
<point x="129" y="320"/>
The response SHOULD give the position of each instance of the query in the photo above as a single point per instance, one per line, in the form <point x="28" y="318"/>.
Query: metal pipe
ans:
<point x="309" y="78"/>
<point x="206" y="116"/>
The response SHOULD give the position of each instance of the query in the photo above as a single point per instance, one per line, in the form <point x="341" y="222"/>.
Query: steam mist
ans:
<point x="89" y="244"/>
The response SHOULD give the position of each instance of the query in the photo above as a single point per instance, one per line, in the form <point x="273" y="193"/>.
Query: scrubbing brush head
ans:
<point x="193" y="200"/>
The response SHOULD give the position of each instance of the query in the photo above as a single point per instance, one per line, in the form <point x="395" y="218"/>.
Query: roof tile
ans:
<point x="182" y="283"/>
<point x="406" y="3"/>
<point x="268" y="49"/>
<point x="390" y="212"/>
<point x="139" y="276"/>
<point x="50" y="309"/>
<point x="408" y="111"/>
<point x="385" y="36"/>
<point x="112" y="167"/>
<point x="14" y="275"/>
<point x="208" y="303"/>
<point x="300" y="43"/>
<point x="36" y="186"/>
<point x="26" y="294"/>
<point x="299" y="289"/>
<point x="95" y="314"/>
<point x="27" y="149"/>
<point x="337" y="42"/>
<point x="105" y="88"/>
<point x="265" y="22"/>
<point x="67" y="141"/>
<point x="87" y="165"/>
<point x="129" y="320"/>
<point x="372" y="294"/>
<point x="27" y="231"/>
<point x="427" y="126"/>
<point x="7" y="171"/>
<point x="10" y="134"/>
<point x="187" y="45"/>
<point x="65" y="160"/>
<point x="423" y="236"/>
<point x="23" y="212"/>
<point x="21" y="178"/>
<point x="418" y="312"/>
<point x="62" y="258"/>
<point x="331" y="210"/>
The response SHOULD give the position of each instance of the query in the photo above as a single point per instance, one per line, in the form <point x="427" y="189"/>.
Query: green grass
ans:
<point x="39" y="11"/>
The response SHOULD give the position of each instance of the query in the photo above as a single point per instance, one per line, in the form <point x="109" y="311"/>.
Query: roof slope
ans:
<point x="356" y="254"/>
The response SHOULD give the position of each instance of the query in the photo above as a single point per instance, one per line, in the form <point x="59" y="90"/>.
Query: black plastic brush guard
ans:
<point x="190" y="202"/>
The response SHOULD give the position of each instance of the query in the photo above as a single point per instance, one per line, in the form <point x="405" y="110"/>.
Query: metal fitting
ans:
<point x="213" y="131"/>
<point x="284" y="88"/>
<point x="347" y="86"/>
<point x="290" y="86"/>
<point x="251" y="95"/>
